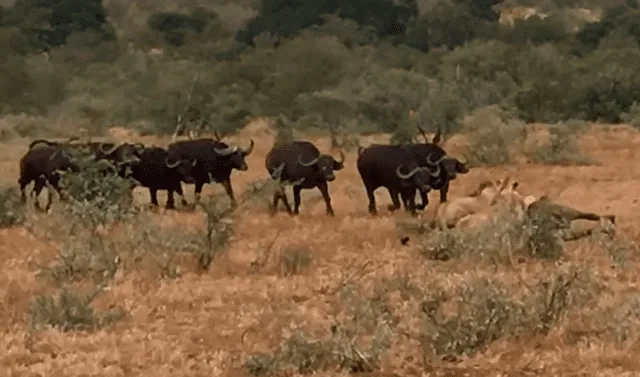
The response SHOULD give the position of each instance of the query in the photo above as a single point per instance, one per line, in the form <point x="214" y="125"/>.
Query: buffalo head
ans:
<point x="326" y="164"/>
<point x="184" y="168"/>
<point x="420" y="177"/>
<point x="122" y="153"/>
<point x="236" y="155"/>
<point x="454" y="167"/>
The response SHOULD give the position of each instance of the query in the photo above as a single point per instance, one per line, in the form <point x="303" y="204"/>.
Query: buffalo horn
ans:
<point x="226" y="151"/>
<point x="444" y="157"/>
<point x="466" y="160"/>
<point x="247" y="151"/>
<point x="39" y="141"/>
<point x="341" y="157"/>
<point x="424" y="134"/>
<point x="406" y="176"/>
<point x="170" y="165"/>
<point x="110" y="150"/>
<point x="310" y="163"/>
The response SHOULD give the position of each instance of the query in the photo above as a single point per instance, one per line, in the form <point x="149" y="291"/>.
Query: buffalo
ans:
<point x="46" y="160"/>
<point x="212" y="161"/>
<point x="301" y="164"/>
<point x="395" y="168"/>
<point x="450" y="167"/>
<point x="158" y="170"/>
<point x="43" y="165"/>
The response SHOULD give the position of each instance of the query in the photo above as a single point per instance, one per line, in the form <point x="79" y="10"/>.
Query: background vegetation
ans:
<point x="91" y="64"/>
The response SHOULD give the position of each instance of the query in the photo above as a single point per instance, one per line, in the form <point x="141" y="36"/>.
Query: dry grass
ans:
<point x="314" y="292"/>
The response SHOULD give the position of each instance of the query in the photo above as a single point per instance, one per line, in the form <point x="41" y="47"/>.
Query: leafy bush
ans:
<point x="561" y="149"/>
<point x="12" y="210"/>
<point x="71" y="311"/>
<point x="495" y="136"/>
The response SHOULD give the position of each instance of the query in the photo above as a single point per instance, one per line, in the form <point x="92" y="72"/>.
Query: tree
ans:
<point x="286" y="18"/>
<point x="176" y="27"/>
<point x="48" y="23"/>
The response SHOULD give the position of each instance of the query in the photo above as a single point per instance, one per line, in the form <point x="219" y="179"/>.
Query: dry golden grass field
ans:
<point x="358" y="276"/>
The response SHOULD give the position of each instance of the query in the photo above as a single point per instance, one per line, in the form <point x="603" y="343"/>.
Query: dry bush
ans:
<point x="495" y="136"/>
<point x="71" y="311"/>
<point x="498" y="241"/>
<point x="22" y="125"/>
<point x="447" y="318"/>
<point x="12" y="210"/>
<point x="481" y="311"/>
<point x="561" y="148"/>
<point x="633" y="115"/>
<point x="294" y="261"/>
<point x="353" y="343"/>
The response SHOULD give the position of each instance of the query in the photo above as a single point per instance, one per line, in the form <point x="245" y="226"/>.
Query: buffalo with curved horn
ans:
<point x="383" y="165"/>
<point x="157" y="170"/>
<point x="301" y="165"/>
<point x="213" y="162"/>
<point x="450" y="167"/>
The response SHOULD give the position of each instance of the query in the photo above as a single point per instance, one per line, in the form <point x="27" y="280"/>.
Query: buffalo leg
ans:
<point x="35" y="193"/>
<point x="324" y="190"/>
<point x="296" y="199"/>
<point x="443" y="192"/>
<point x="178" y="190"/>
<point x="171" y="204"/>
<point x="280" y="195"/>
<point x="50" y="191"/>
<point x="372" y="201"/>
<point x="408" y="199"/>
<point x="424" y="196"/>
<point x="197" y="192"/>
<point x="23" y="189"/>
<point x="153" y="193"/>
<point x="227" y="187"/>
<point x="395" y="199"/>
<point x="411" y="204"/>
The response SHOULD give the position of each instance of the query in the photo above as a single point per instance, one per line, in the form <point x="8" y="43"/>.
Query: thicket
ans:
<point x="358" y="66"/>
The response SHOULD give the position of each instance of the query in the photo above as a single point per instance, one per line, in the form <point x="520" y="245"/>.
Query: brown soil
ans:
<point x="193" y="325"/>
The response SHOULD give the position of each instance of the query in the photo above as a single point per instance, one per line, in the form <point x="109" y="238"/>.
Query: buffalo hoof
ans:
<point x="330" y="212"/>
<point x="392" y="207"/>
<point x="404" y="240"/>
<point x="184" y="203"/>
<point x="170" y="207"/>
<point x="272" y="210"/>
<point x="421" y="207"/>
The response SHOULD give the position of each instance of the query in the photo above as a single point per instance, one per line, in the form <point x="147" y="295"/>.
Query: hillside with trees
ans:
<point x="92" y="64"/>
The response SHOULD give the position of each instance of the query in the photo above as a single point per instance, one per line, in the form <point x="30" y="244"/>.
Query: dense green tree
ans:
<point x="48" y="23"/>
<point x="176" y="27"/>
<point x="285" y="18"/>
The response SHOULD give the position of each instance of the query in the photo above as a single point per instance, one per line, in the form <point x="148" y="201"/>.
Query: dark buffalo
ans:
<point x="301" y="164"/>
<point x="45" y="161"/>
<point x="213" y="161"/>
<point x="395" y="168"/>
<point x="157" y="170"/>
<point x="44" y="166"/>
<point x="450" y="167"/>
